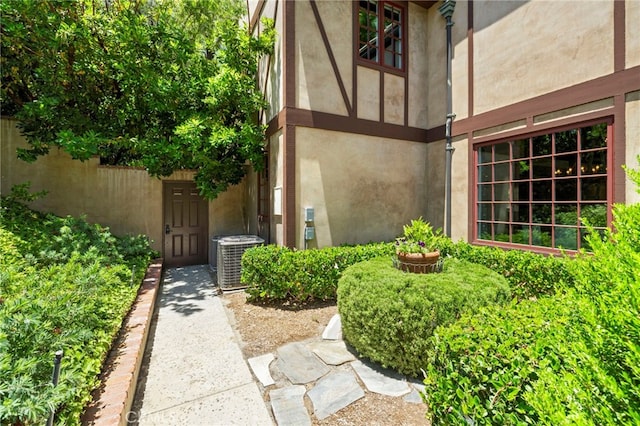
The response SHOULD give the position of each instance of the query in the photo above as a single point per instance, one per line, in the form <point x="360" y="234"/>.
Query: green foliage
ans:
<point x="481" y="369"/>
<point x="419" y="237"/>
<point x="389" y="316"/>
<point x="158" y="84"/>
<point x="279" y="273"/>
<point x="569" y="359"/>
<point x="529" y="274"/>
<point x="64" y="284"/>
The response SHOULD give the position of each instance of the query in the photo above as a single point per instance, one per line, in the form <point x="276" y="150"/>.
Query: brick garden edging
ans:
<point x="112" y="401"/>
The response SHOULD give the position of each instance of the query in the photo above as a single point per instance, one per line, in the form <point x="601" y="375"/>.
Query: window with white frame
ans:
<point x="533" y="191"/>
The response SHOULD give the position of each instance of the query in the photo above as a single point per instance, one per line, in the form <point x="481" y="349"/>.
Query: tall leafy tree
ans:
<point x="165" y="85"/>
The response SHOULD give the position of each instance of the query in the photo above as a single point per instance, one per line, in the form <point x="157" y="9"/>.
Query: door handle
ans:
<point x="167" y="230"/>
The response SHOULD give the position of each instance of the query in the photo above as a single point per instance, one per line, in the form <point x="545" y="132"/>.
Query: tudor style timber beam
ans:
<point x="590" y="91"/>
<point x="341" y="123"/>
<point x="289" y="132"/>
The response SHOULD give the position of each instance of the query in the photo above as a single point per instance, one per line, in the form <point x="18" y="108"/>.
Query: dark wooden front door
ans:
<point x="185" y="225"/>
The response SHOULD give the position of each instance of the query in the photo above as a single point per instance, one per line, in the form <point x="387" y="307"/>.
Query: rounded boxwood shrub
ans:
<point x="388" y="315"/>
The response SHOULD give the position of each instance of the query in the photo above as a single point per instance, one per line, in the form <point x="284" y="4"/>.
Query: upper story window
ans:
<point x="534" y="190"/>
<point x="381" y="33"/>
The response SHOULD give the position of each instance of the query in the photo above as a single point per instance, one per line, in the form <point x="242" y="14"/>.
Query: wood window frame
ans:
<point x="580" y="177"/>
<point x="379" y="63"/>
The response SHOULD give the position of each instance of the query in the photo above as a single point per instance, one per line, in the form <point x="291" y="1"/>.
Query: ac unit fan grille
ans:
<point x="230" y="250"/>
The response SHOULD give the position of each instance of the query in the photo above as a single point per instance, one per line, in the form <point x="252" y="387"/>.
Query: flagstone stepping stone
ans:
<point x="260" y="367"/>
<point x="413" y="397"/>
<point x="288" y="406"/>
<point x="334" y="392"/>
<point x="299" y="364"/>
<point x="389" y="383"/>
<point x="333" y="330"/>
<point x="332" y="352"/>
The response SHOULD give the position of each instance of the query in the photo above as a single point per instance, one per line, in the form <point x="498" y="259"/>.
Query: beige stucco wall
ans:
<point x="418" y="39"/>
<point x="435" y="163"/>
<point x="362" y="188"/>
<point x="632" y="30"/>
<point x="317" y="85"/>
<point x="459" y="60"/>
<point x="632" y="137"/>
<point x="368" y="93"/>
<point x="435" y="172"/>
<point x="393" y="99"/>
<point x="127" y="200"/>
<point x="270" y="72"/>
<point x="436" y="77"/>
<point x="524" y="49"/>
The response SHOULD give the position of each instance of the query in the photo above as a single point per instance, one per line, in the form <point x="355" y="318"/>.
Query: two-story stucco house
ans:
<point x="546" y="97"/>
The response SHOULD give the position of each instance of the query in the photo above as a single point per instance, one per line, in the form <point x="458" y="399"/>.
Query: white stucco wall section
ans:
<point x="543" y="52"/>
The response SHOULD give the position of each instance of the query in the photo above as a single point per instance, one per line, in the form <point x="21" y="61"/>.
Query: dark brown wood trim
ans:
<point x="406" y="101"/>
<point x="404" y="5"/>
<point x="600" y="88"/>
<point x="471" y="193"/>
<point x="619" y="45"/>
<point x="381" y="98"/>
<point x="540" y="127"/>
<point x="619" y="148"/>
<point x="289" y="132"/>
<point x="332" y="59"/>
<point x="289" y="56"/>
<point x="289" y="191"/>
<point x="470" y="99"/>
<point x="615" y="160"/>
<point x="256" y="16"/>
<point x="406" y="65"/>
<point x="424" y="4"/>
<point x="341" y="123"/>
<point x="275" y="124"/>
<point x="381" y="68"/>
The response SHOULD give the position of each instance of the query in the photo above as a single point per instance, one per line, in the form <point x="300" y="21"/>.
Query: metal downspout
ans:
<point x="446" y="10"/>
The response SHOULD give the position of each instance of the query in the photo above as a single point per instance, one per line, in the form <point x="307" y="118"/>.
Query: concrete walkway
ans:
<point x="194" y="372"/>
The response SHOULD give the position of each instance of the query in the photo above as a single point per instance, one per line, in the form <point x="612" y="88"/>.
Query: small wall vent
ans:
<point x="229" y="254"/>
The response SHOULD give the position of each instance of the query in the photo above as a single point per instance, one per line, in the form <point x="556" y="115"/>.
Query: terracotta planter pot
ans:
<point x="418" y="263"/>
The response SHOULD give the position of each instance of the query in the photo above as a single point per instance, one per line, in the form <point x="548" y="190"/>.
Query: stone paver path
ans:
<point x="327" y="373"/>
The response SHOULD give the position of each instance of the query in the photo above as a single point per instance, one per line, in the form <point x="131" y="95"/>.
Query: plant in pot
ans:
<point x="417" y="249"/>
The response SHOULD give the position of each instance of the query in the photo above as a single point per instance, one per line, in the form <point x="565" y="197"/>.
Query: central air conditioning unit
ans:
<point x="213" y="252"/>
<point x="230" y="250"/>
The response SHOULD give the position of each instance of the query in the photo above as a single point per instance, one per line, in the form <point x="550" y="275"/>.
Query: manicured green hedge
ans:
<point x="279" y="273"/>
<point x="64" y="284"/>
<point x="529" y="274"/>
<point x="389" y="315"/>
<point x="572" y="358"/>
<point x="481" y="369"/>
